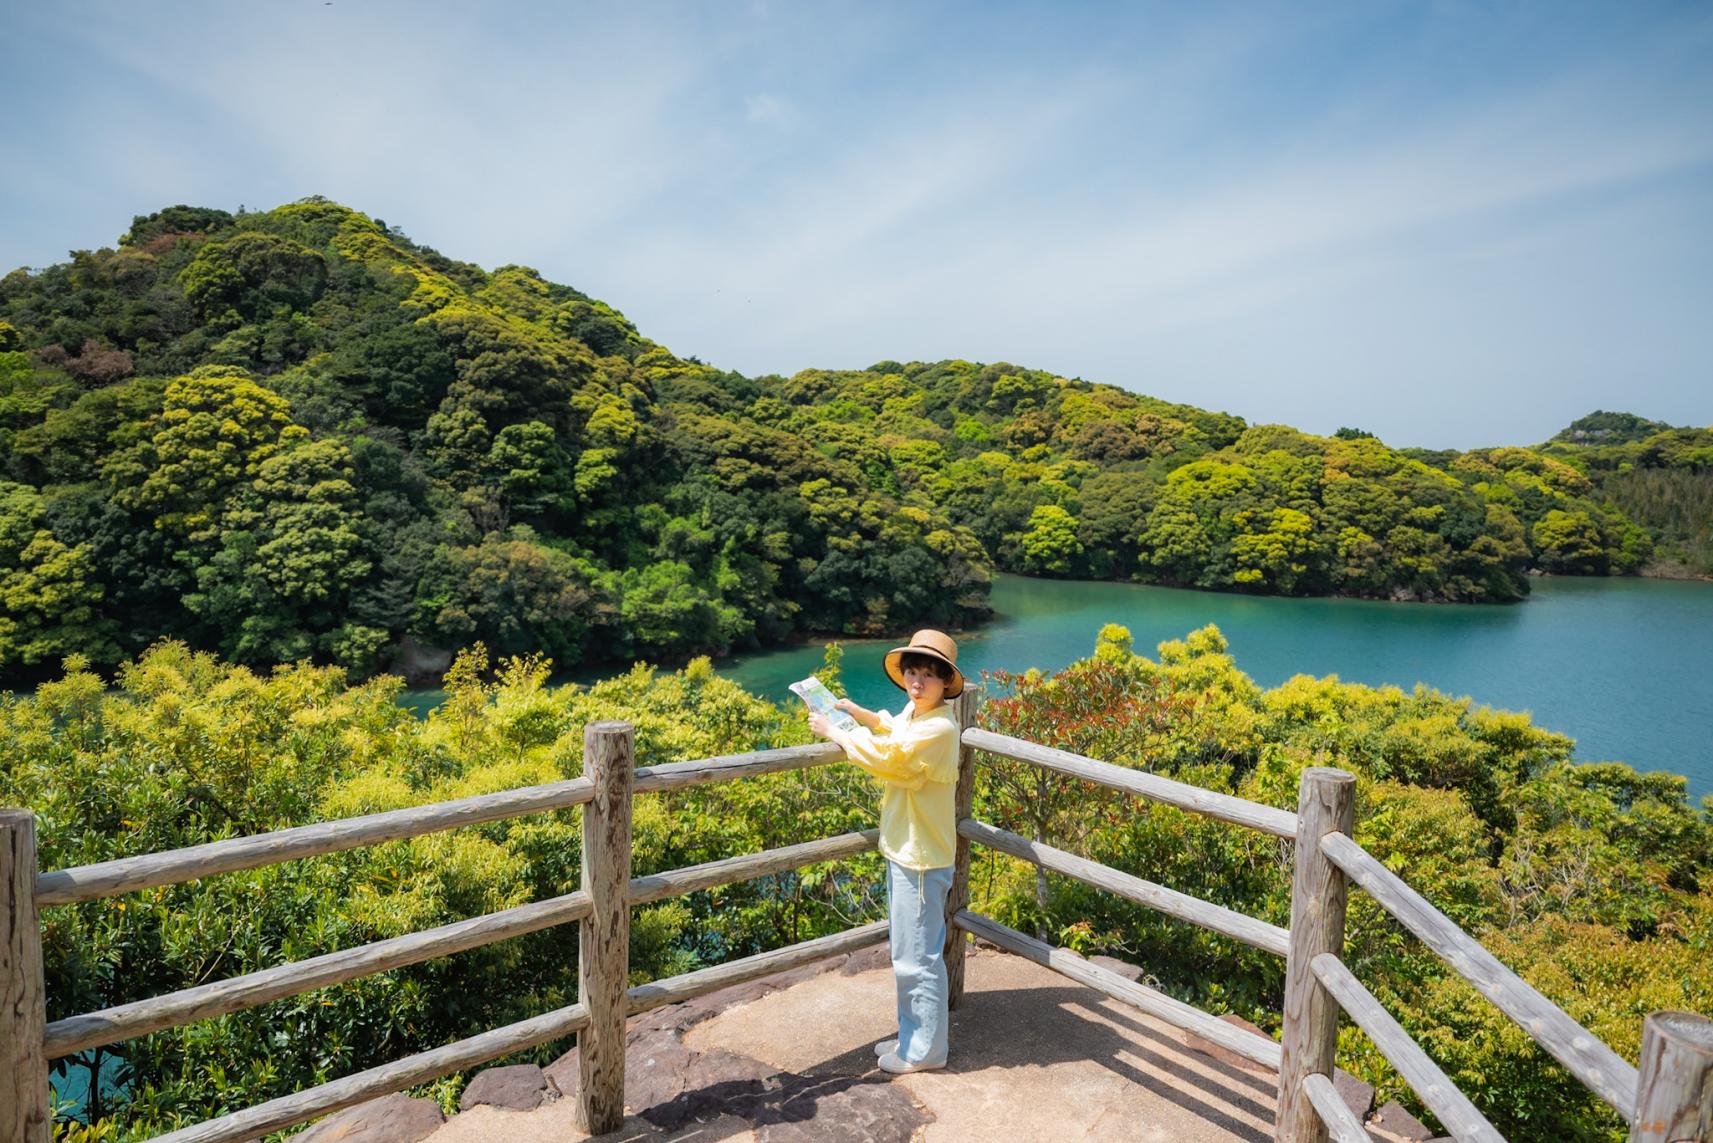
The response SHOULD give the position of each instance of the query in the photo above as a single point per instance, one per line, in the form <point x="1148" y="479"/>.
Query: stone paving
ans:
<point x="1034" y="1056"/>
<point x="790" y="1059"/>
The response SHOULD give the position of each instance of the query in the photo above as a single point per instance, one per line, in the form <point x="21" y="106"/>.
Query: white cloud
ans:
<point x="1183" y="204"/>
<point x="905" y="249"/>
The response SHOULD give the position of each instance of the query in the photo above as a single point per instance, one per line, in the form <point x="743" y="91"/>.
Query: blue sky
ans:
<point x="1450" y="224"/>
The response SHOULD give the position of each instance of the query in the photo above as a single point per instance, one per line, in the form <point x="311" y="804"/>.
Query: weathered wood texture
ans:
<point x="292" y="1109"/>
<point x="1280" y="823"/>
<point x="677" y="882"/>
<point x="1175" y="1012"/>
<point x="1421" y="1073"/>
<point x="1326" y="803"/>
<point x="679" y="775"/>
<point x="206" y="1001"/>
<point x="86" y="882"/>
<point x="1600" y="1069"/>
<point x="603" y="962"/>
<point x="254" y="1122"/>
<point x="966" y="709"/>
<point x="1674" y="1096"/>
<point x="24" y="1115"/>
<point x="1341" y="1122"/>
<point x="124" y="1021"/>
<point x="1238" y="926"/>
<point x="655" y="994"/>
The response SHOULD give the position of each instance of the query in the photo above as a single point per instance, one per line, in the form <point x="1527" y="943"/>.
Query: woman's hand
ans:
<point x="818" y="725"/>
<point x="862" y="714"/>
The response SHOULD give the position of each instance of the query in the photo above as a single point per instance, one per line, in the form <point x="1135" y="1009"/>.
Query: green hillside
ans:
<point x="1658" y="475"/>
<point x="297" y="433"/>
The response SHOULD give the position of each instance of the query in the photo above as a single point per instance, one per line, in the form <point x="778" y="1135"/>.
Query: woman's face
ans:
<point x="926" y="689"/>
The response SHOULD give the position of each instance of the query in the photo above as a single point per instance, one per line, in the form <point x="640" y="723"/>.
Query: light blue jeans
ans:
<point x="916" y="900"/>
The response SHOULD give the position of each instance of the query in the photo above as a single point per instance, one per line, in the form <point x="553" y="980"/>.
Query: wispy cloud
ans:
<point x="1253" y="211"/>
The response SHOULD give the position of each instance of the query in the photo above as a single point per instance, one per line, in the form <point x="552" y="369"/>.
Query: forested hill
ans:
<point x="297" y="433"/>
<point x="1660" y="476"/>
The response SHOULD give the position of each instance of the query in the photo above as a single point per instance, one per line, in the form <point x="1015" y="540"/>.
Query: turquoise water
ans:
<point x="1624" y="666"/>
<point x="70" y="1082"/>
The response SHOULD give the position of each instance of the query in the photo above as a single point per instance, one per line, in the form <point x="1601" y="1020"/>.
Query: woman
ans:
<point x="915" y="754"/>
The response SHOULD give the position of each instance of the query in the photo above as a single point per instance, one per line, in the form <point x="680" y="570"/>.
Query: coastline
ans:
<point x="1673" y="569"/>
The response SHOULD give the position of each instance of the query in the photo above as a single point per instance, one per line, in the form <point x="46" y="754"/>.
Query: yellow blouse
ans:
<point x="916" y="757"/>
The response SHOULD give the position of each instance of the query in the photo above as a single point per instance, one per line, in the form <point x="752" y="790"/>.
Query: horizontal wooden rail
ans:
<point x="724" y="768"/>
<point x="1240" y="811"/>
<point x="676" y="882"/>
<point x="1175" y="1012"/>
<point x="1421" y="1073"/>
<point x="1341" y="1122"/>
<point x="1600" y="1069"/>
<point x="341" y="1093"/>
<point x="128" y="874"/>
<point x="254" y="1122"/>
<point x="1229" y="922"/>
<point x="206" y="1001"/>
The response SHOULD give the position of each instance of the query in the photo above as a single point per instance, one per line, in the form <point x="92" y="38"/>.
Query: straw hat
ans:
<point x="935" y="645"/>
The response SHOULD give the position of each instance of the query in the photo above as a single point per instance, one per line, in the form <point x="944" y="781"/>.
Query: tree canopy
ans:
<point x="1590" y="880"/>
<point x="299" y="433"/>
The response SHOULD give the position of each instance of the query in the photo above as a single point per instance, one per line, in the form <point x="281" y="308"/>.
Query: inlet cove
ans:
<point x="1622" y="665"/>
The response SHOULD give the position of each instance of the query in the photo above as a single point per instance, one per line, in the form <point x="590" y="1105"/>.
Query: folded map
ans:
<point x="814" y="692"/>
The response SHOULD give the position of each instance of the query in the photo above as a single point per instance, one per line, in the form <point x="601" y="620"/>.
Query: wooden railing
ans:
<point x="1669" y="1099"/>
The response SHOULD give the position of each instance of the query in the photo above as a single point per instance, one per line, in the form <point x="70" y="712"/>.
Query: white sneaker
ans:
<point x="885" y="1047"/>
<point x="891" y="1063"/>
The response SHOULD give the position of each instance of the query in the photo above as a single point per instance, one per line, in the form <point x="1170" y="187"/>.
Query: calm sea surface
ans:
<point x="1624" y="666"/>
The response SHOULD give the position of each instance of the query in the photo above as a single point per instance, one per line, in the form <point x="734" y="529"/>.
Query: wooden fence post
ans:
<point x="603" y="962"/>
<point x="965" y="708"/>
<point x="1326" y="803"/>
<point x="24" y="1113"/>
<point x="1674" y="1092"/>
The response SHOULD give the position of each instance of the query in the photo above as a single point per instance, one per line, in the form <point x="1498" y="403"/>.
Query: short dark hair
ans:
<point x="917" y="659"/>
